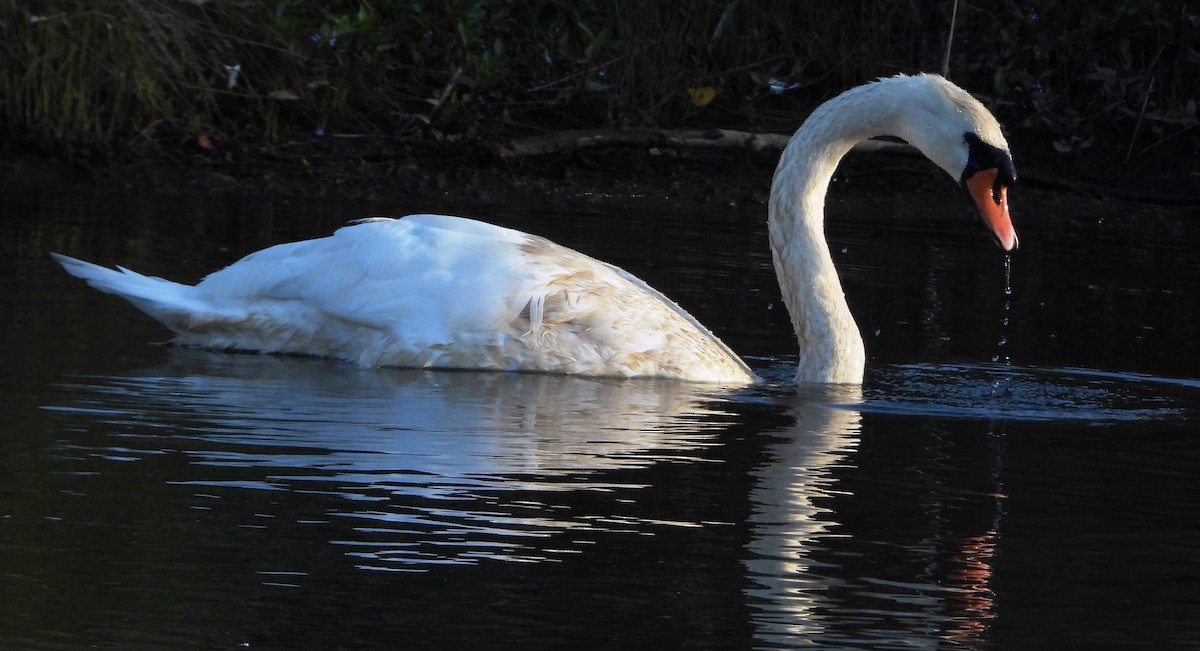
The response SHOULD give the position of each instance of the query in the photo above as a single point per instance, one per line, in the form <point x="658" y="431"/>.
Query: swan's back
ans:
<point x="440" y="292"/>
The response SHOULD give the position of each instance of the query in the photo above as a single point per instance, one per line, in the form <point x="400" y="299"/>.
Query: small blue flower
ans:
<point x="333" y="39"/>
<point x="319" y="132"/>
<point x="1033" y="16"/>
<point x="316" y="38"/>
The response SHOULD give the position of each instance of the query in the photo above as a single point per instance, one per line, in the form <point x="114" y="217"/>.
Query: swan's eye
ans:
<point x="982" y="156"/>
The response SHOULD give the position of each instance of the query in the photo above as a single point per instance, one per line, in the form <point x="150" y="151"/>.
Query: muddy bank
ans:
<point x="378" y="169"/>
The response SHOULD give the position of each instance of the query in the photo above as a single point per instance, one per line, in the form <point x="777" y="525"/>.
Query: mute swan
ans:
<point x="447" y="292"/>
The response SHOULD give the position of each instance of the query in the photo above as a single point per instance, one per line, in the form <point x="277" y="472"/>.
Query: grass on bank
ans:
<point x="99" y="74"/>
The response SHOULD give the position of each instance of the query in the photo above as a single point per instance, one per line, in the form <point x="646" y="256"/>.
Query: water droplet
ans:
<point x="1002" y="341"/>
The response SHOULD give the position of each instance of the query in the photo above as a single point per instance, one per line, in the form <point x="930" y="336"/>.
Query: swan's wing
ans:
<point x="424" y="274"/>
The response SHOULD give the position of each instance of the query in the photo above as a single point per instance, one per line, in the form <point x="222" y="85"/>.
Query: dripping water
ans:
<point x="1001" y="386"/>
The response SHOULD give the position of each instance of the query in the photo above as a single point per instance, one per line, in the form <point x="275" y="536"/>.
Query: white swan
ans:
<point x="446" y="292"/>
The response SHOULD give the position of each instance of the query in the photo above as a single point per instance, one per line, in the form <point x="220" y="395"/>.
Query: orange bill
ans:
<point x="991" y="198"/>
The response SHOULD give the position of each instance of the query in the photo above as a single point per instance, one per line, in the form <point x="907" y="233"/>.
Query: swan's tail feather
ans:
<point x="175" y="305"/>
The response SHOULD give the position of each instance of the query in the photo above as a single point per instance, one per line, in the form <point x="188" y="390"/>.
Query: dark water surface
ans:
<point x="159" y="498"/>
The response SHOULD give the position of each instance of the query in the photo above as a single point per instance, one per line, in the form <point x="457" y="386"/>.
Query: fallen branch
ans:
<point x="570" y="141"/>
<point x="563" y="142"/>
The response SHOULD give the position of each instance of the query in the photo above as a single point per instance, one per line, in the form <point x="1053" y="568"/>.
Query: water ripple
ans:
<point x="1025" y="393"/>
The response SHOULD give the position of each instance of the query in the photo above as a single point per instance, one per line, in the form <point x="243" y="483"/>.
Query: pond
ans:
<point x="1018" y="470"/>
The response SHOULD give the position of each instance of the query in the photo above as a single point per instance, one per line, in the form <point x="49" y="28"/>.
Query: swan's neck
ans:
<point x="831" y="347"/>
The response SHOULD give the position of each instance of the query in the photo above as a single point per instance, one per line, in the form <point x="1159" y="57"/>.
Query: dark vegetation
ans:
<point x="93" y="81"/>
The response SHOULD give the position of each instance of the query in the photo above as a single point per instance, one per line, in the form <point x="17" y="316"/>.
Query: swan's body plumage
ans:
<point x="432" y="291"/>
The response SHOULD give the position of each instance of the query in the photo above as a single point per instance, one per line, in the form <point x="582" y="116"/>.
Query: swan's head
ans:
<point x="958" y="134"/>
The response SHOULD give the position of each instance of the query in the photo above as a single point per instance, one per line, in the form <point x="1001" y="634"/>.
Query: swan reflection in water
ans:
<point x="808" y="561"/>
<point x="419" y="469"/>
<point x="422" y="453"/>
